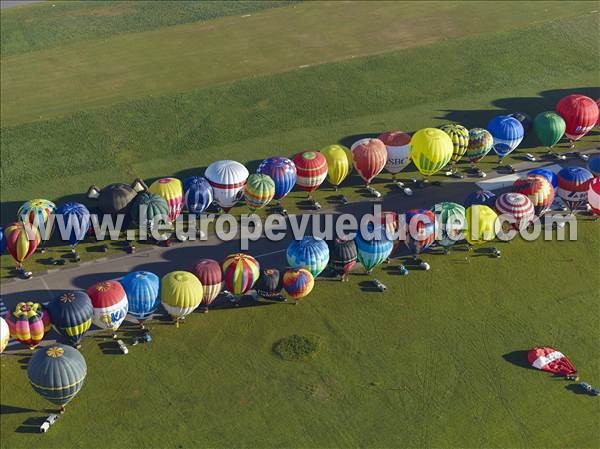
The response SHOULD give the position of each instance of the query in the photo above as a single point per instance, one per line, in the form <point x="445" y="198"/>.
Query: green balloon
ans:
<point x="549" y="127"/>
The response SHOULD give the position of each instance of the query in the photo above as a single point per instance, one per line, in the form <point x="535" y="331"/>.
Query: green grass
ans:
<point x="437" y="354"/>
<point x="296" y="347"/>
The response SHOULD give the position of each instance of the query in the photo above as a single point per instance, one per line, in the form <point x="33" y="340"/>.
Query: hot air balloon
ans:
<point x="38" y="213"/>
<point x="198" y="194"/>
<point x="57" y="372"/>
<point x="482" y="224"/>
<point x="594" y="164"/>
<point x="389" y="220"/>
<point x="552" y="360"/>
<point x="181" y="293"/>
<point x="517" y="206"/>
<point x="580" y="114"/>
<point x="116" y="198"/>
<point x="524" y="119"/>
<point x="227" y="179"/>
<point x="311" y="167"/>
<point x="2" y="241"/>
<point x="450" y="223"/>
<point x="460" y="141"/>
<point x="480" y="144"/>
<point x="21" y="242"/>
<point x="369" y="156"/>
<point x="269" y="284"/>
<point x="71" y="315"/>
<point x="283" y="173"/>
<point x="4" y="335"/>
<point x="209" y="274"/>
<point x="339" y="163"/>
<point x="171" y="190"/>
<point x="419" y="230"/>
<point x="240" y="273"/>
<point x="148" y="209"/>
<point x="484" y="197"/>
<point x="549" y="128"/>
<point x="548" y="174"/>
<point x="110" y="304"/>
<point x="594" y="195"/>
<point x="397" y="144"/>
<point x="142" y="289"/>
<point x="343" y="255"/>
<point x="507" y="132"/>
<point x="309" y="253"/>
<point x="259" y="191"/>
<point x="28" y="323"/>
<point x="373" y="251"/>
<point x="538" y="189"/>
<point x="298" y="282"/>
<point x="573" y="184"/>
<point x="431" y="150"/>
<point x="75" y="217"/>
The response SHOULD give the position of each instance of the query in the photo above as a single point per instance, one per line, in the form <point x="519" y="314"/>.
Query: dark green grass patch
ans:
<point x="297" y="347"/>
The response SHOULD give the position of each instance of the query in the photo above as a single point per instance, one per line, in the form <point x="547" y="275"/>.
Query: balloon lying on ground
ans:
<point x="431" y="150"/>
<point x="283" y="173"/>
<point x="546" y="358"/>
<point x="227" y="179"/>
<point x="484" y="197"/>
<point x="269" y="283"/>
<point x="38" y="213"/>
<point x="482" y="224"/>
<point x="21" y="241"/>
<point x="548" y="174"/>
<point x="171" y="190"/>
<point x="397" y="144"/>
<point x="594" y="165"/>
<point x="180" y="294"/>
<point x="310" y="253"/>
<point x="524" y="119"/>
<point x="538" y="189"/>
<point x="209" y="274"/>
<point x="460" y="140"/>
<point x="113" y="199"/>
<point x="480" y="144"/>
<point x="516" y="207"/>
<point x="549" y="128"/>
<point x="339" y="163"/>
<point x="298" y="283"/>
<point x="418" y="229"/>
<point x="258" y="191"/>
<point x="28" y="323"/>
<point x="197" y="194"/>
<point x="373" y="249"/>
<point x="343" y="254"/>
<point x="57" y="372"/>
<point x="75" y="217"/>
<point x="507" y="132"/>
<point x="142" y="289"/>
<point x="71" y="315"/>
<point x="580" y="114"/>
<point x="450" y="222"/>
<point x="4" y="335"/>
<point x="594" y="195"/>
<point x="369" y="156"/>
<point x="573" y="184"/>
<point x="311" y="169"/>
<point x="110" y="304"/>
<point x="148" y="210"/>
<point x="240" y="273"/>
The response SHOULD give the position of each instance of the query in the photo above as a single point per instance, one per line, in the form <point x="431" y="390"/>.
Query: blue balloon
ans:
<point x="2" y="241"/>
<point x="143" y="293"/>
<point x="282" y="171"/>
<point x="483" y="197"/>
<point x="373" y="251"/>
<point x="594" y="164"/>
<point x="76" y="221"/>
<point x="198" y="194"/>
<point x="309" y="253"/>
<point x="507" y="132"/>
<point x="548" y="174"/>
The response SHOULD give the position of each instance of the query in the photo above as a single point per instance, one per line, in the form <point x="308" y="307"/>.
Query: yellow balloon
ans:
<point x="339" y="163"/>
<point x="431" y="150"/>
<point x="180" y="293"/>
<point x="482" y="224"/>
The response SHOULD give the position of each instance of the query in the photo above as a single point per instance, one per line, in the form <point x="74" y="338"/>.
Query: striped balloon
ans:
<point x="57" y="373"/>
<point x="282" y="171"/>
<point x="431" y="150"/>
<point x="507" y="132"/>
<point x="198" y="194"/>
<point x="548" y="174"/>
<point x="21" y="241"/>
<point x="38" y="212"/>
<point x="573" y="184"/>
<point x="209" y="273"/>
<point x="227" y="179"/>
<point x="110" y="304"/>
<point x="311" y="167"/>
<point x="480" y="144"/>
<point x="171" y="190"/>
<point x="180" y="294"/>
<point x="240" y="272"/>
<point x="142" y="289"/>
<point x="373" y="251"/>
<point x="259" y="191"/>
<point x="517" y="206"/>
<point x="71" y="315"/>
<point x="298" y="282"/>
<point x="4" y="335"/>
<point x="147" y="208"/>
<point x="538" y="189"/>
<point x="450" y="222"/>
<point x="460" y="140"/>
<point x="309" y="253"/>
<point x="28" y="323"/>
<point x="594" y="195"/>
<point x="419" y="230"/>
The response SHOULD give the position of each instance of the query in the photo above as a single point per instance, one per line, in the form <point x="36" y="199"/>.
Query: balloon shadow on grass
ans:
<point x="10" y="410"/>
<point x="518" y="358"/>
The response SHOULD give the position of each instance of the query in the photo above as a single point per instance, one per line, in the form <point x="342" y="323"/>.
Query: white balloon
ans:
<point x="4" y="334"/>
<point x="227" y="179"/>
<point x="398" y="148"/>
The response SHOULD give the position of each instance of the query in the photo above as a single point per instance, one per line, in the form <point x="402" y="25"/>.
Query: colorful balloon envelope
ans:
<point x="371" y="252"/>
<point x="548" y="174"/>
<point x="76" y="217"/>
<point x="311" y="168"/>
<point x="390" y="221"/>
<point x="343" y="254"/>
<point x="298" y="283"/>
<point x="546" y="358"/>
<point x="148" y="209"/>
<point x="309" y="253"/>
<point x="28" y="323"/>
<point x="397" y="144"/>
<point x="482" y="197"/>
<point x="419" y="230"/>
<point x="116" y="198"/>
<point x="594" y="195"/>
<point x="339" y="163"/>
<point x="450" y="223"/>
<point x="209" y="274"/>
<point x="2" y="241"/>
<point x="198" y="194"/>
<point x="580" y="114"/>
<point x="71" y="315"/>
<point x="269" y="284"/>
<point x="517" y="207"/>
<point x="507" y="132"/>
<point x="240" y="273"/>
<point x="57" y="372"/>
<point x="38" y="213"/>
<point x="21" y="241"/>
<point x="524" y="119"/>
<point x="549" y="127"/>
<point x="538" y="189"/>
<point x="482" y="224"/>
<point x="283" y="173"/>
<point x="573" y="184"/>
<point x="259" y="191"/>
<point x="110" y="304"/>
<point x="369" y="156"/>
<point x="171" y="190"/>
<point x="594" y="165"/>
<point x="460" y="140"/>
<point x="431" y="150"/>
<point x="227" y="179"/>
<point x="480" y="144"/>
<point x="180" y="294"/>
<point x="142" y="289"/>
<point x="4" y="335"/>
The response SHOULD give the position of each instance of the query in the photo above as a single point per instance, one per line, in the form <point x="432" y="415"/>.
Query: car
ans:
<point x="560" y="157"/>
<point x="478" y="172"/>
<point x="583" y="157"/>
<point x="457" y="175"/>
<point x="408" y="191"/>
<point x="399" y="184"/>
<point x="122" y="347"/>
<point x="373" y="192"/>
<point x="424" y="266"/>
<point x="379" y="285"/>
<point x="530" y="157"/>
<point x="403" y="270"/>
<point x="316" y="205"/>
<point x="344" y="200"/>
<point x="51" y="419"/>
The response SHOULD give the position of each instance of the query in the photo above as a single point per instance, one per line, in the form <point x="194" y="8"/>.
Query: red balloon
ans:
<point x="369" y="156"/>
<point x="311" y="169"/>
<point x="21" y="241"/>
<point x="580" y="114"/>
<point x="391" y="223"/>
<point x="209" y="273"/>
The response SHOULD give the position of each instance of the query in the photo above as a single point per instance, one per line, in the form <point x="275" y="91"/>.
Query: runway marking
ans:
<point x="268" y="254"/>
